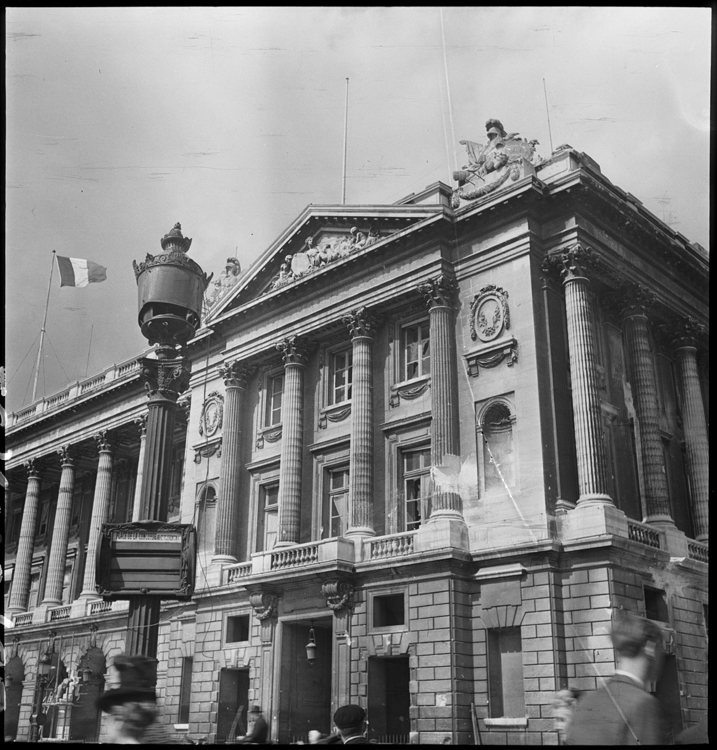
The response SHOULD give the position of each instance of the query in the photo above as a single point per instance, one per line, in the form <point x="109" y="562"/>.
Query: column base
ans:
<point x="359" y="531"/>
<point x="675" y="540"/>
<point x="662" y="520"/>
<point x="93" y="595"/>
<point x="224" y="560"/>
<point x="593" y="519"/>
<point x="442" y="531"/>
<point x="595" y="498"/>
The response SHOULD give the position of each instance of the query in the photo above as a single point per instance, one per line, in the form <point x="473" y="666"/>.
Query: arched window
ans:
<point x="496" y="427"/>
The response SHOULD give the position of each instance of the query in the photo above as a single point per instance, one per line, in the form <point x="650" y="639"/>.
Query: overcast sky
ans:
<point x="121" y="122"/>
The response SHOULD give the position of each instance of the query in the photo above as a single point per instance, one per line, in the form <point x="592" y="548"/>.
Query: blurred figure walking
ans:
<point x="621" y="711"/>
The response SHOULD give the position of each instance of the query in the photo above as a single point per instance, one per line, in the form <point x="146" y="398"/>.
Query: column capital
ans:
<point x="361" y="322"/>
<point x="571" y="263"/>
<point x="630" y="300"/>
<point x="140" y="423"/>
<point x="165" y="377"/>
<point x="685" y="332"/>
<point x="33" y="468"/>
<point x="105" y="441"/>
<point x="440" y="291"/>
<point x="294" y="350"/>
<point x="67" y="455"/>
<point x="236" y="374"/>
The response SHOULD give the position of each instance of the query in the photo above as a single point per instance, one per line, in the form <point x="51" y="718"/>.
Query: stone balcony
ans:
<point x="339" y="554"/>
<point x="80" y="608"/>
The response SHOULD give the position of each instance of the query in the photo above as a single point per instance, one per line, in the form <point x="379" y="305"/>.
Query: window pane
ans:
<point x="505" y="673"/>
<point x="271" y="522"/>
<point x="271" y="494"/>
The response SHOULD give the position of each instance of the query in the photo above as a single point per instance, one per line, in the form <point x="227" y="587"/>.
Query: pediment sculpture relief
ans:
<point x="504" y="157"/>
<point x="316" y="255"/>
<point x="226" y="281"/>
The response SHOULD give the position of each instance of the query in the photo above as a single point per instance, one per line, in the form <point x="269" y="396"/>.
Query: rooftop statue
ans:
<point x="505" y="156"/>
<point x="226" y="281"/>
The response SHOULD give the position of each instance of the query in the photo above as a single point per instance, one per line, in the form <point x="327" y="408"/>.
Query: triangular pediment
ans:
<point x="321" y="237"/>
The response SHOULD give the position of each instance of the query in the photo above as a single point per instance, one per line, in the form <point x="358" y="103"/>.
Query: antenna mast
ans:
<point x="346" y="126"/>
<point x="547" y="112"/>
<point x="42" y="330"/>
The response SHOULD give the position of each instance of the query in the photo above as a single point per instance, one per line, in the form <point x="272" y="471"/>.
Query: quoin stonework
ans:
<point x="442" y="439"/>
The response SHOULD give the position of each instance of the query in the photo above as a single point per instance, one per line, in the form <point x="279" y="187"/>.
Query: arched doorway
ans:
<point x="85" y="721"/>
<point x="14" y="678"/>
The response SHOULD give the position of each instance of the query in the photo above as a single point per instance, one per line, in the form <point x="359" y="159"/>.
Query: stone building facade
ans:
<point x="442" y="440"/>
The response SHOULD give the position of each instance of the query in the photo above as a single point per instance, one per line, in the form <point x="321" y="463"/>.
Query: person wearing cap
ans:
<point x="350" y="720"/>
<point x="259" y="731"/>
<point x="131" y="704"/>
<point x="622" y="711"/>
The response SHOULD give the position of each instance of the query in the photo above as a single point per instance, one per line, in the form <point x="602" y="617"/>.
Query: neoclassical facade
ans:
<point x="441" y="440"/>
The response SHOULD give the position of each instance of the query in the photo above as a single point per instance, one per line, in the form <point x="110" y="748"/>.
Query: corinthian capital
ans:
<point x="104" y="441"/>
<point x="236" y="374"/>
<point x="67" y="455"/>
<point x="633" y="299"/>
<point x="685" y="332"/>
<point x="570" y="263"/>
<point x="361" y="322"/>
<point x="165" y="377"/>
<point x="440" y="291"/>
<point x="32" y="467"/>
<point x="294" y="350"/>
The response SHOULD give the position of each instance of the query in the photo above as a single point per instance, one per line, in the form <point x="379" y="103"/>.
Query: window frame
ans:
<point x="273" y="376"/>
<point x="329" y="493"/>
<point x="497" y="674"/>
<point x="391" y="591"/>
<point x="263" y="511"/>
<point x="420" y="324"/>
<point x="410" y="476"/>
<point x="334" y="354"/>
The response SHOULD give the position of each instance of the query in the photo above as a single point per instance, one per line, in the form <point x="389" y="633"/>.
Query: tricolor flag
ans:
<point x="79" y="272"/>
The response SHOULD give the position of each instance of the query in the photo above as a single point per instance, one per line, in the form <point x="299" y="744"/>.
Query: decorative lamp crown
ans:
<point x="174" y="241"/>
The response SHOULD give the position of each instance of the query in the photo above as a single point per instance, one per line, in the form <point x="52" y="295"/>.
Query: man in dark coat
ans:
<point x="621" y="711"/>
<point x="350" y="720"/>
<point x="259" y="731"/>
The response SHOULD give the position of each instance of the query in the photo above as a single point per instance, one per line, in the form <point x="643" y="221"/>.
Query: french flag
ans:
<point x="79" y="272"/>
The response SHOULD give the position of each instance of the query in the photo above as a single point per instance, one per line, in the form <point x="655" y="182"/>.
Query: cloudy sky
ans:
<point x="121" y="122"/>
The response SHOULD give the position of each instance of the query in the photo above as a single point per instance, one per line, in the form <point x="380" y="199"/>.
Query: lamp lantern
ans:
<point x="311" y="646"/>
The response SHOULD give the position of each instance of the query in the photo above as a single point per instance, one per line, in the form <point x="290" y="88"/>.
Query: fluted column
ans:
<point x="685" y="337"/>
<point x="61" y="529"/>
<point x="100" y="509"/>
<point x="236" y="375"/>
<point x="26" y="543"/>
<point x="445" y="451"/>
<point x="141" y="423"/>
<point x="589" y="440"/>
<point x="362" y="327"/>
<point x="633" y="303"/>
<point x="295" y="353"/>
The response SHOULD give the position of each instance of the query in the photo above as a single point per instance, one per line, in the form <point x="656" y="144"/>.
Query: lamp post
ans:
<point x="171" y="288"/>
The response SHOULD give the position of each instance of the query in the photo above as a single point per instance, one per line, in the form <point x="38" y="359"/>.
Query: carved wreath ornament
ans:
<point x="212" y="414"/>
<point x="489" y="313"/>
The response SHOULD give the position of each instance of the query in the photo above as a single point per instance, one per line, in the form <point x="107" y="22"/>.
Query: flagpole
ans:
<point x="42" y="330"/>
<point x="346" y="125"/>
<point x="89" y="349"/>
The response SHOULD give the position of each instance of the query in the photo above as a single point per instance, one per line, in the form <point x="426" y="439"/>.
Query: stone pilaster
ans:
<point x="362" y="327"/>
<point x="141" y="423"/>
<point x="26" y="542"/>
<point x="100" y="509"/>
<point x="634" y="303"/>
<point x="295" y="353"/>
<point x="589" y="439"/>
<point x="61" y="530"/>
<point x="236" y="376"/>
<point x="684" y="341"/>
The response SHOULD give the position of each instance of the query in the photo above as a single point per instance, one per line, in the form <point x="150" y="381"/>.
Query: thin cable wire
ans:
<point x="23" y="361"/>
<point x="448" y="92"/>
<point x="67" y="377"/>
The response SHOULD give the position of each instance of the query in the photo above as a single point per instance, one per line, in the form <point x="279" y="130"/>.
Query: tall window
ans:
<point x="336" y="501"/>
<point x="506" y="692"/>
<point x="416" y="477"/>
<point x="416" y="350"/>
<point x="274" y="397"/>
<point x="268" y="517"/>
<point x="34" y="594"/>
<point x="185" y="690"/>
<point x="67" y="584"/>
<point x="341" y="369"/>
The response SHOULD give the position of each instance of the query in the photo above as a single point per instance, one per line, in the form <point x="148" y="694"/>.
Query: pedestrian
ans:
<point x="350" y="720"/>
<point x="563" y="707"/>
<point x="259" y="731"/>
<point x="130" y="707"/>
<point x="621" y="711"/>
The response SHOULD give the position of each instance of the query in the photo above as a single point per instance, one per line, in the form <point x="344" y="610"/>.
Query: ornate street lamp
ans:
<point x="311" y="646"/>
